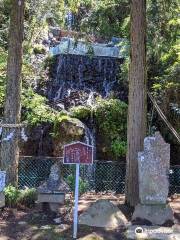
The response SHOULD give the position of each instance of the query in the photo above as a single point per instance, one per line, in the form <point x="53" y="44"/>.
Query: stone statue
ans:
<point x="153" y="173"/>
<point x="52" y="191"/>
<point x="54" y="182"/>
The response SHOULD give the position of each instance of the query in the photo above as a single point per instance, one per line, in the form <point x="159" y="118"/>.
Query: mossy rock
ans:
<point x="67" y="130"/>
<point x="39" y="49"/>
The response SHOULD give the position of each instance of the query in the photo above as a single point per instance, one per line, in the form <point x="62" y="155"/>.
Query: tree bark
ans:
<point x="12" y="107"/>
<point x="137" y="111"/>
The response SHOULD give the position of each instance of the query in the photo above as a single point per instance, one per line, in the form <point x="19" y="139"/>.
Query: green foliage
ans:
<point x="15" y="197"/>
<point x="111" y="120"/>
<point x="36" y="109"/>
<point x="81" y="112"/>
<point x="83" y="185"/>
<point x="11" y="196"/>
<point x="49" y="61"/>
<point x="59" y="118"/>
<point x="27" y="197"/>
<point x="39" y="49"/>
<point x="3" y="60"/>
<point x="119" y="148"/>
<point x="4" y="22"/>
<point x="105" y="18"/>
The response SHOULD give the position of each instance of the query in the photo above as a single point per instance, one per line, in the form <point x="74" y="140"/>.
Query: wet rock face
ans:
<point x="40" y="141"/>
<point x="72" y="74"/>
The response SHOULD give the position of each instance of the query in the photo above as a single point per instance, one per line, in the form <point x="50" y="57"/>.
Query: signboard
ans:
<point x="2" y="180"/>
<point x="78" y="152"/>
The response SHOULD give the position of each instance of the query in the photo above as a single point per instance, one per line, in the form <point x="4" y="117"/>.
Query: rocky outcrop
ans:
<point x="103" y="213"/>
<point x="68" y="130"/>
<point x="49" y="140"/>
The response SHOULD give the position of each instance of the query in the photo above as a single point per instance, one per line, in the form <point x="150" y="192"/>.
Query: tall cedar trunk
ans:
<point x="137" y="98"/>
<point x="12" y="108"/>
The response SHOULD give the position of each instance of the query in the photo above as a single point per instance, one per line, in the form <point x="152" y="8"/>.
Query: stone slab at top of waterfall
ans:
<point x="70" y="46"/>
<point x="153" y="170"/>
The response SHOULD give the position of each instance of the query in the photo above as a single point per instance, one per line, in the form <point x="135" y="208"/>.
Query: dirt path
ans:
<point x="33" y="224"/>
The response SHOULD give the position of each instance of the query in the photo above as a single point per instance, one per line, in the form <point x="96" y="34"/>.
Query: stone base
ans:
<point x="51" y="198"/>
<point x="54" y="207"/>
<point x="153" y="214"/>
<point x="54" y="200"/>
<point x="2" y="200"/>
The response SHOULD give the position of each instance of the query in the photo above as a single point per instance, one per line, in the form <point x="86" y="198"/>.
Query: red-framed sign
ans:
<point x="78" y="152"/>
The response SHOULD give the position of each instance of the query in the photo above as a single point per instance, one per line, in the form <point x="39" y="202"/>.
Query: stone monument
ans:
<point x="153" y="171"/>
<point x="2" y="186"/>
<point x="53" y="190"/>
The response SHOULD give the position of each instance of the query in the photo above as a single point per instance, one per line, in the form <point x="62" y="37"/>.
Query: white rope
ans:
<point x="11" y="134"/>
<point x="163" y="117"/>
<point x="12" y="125"/>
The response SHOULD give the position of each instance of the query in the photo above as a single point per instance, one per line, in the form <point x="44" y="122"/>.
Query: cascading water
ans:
<point x="78" y="79"/>
<point x="40" y="147"/>
<point x="89" y="139"/>
<point x="82" y="77"/>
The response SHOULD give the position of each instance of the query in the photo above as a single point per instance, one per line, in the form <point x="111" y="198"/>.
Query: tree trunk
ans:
<point x="137" y="111"/>
<point x="12" y="107"/>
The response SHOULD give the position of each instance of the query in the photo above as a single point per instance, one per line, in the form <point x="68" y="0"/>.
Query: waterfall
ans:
<point x="86" y="77"/>
<point x="91" y="99"/>
<point x="40" y="146"/>
<point x="89" y="139"/>
<point x="58" y="94"/>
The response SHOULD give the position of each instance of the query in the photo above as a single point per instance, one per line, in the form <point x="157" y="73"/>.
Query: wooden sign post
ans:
<point x="77" y="153"/>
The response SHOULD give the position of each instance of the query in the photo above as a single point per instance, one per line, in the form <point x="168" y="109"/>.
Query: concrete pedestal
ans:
<point x="155" y="214"/>
<point x="54" y="199"/>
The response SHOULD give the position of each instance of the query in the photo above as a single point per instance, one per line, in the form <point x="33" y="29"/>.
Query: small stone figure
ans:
<point x="53" y="190"/>
<point x="54" y="182"/>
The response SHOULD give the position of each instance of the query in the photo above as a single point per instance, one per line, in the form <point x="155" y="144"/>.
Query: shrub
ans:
<point x="81" y="112"/>
<point x="83" y="185"/>
<point x="110" y="119"/>
<point x="119" y="147"/>
<point x="36" y="108"/>
<point x="111" y="123"/>
<point x="39" y="49"/>
<point x="15" y="197"/>
<point x="11" y="196"/>
<point x="27" y="197"/>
